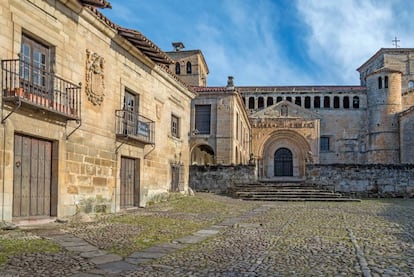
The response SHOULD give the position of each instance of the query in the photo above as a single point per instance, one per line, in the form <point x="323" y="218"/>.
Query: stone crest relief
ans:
<point x="94" y="77"/>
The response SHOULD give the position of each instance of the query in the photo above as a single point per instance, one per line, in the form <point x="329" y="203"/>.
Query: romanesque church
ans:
<point x="95" y="117"/>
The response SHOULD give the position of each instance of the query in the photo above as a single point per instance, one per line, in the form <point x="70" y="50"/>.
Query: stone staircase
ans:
<point x="285" y="191"/>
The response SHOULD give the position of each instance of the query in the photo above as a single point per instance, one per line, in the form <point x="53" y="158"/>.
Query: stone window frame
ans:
<point x="175" y="126"/>
<point x="188" y="67"/>
<point x="325" y="144"/>
<point x="177" y="68"/>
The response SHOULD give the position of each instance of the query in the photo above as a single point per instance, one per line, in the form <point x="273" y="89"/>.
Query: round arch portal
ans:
<point x="295" y="152"/>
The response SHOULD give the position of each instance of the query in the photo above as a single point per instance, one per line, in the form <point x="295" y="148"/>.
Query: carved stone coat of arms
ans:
<point x="94" y="77"/>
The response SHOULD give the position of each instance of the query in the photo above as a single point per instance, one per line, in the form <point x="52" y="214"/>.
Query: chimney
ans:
<point x="178" y="46"/>
<point x="230" y="83"/>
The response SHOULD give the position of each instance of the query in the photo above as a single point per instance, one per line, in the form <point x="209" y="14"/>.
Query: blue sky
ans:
<point x="273" y="42"/>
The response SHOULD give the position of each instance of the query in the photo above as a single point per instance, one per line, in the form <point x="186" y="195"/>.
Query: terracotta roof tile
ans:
<point x="97" y="3"/>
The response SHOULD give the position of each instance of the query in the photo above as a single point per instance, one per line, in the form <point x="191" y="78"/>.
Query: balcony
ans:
<point x="132" y="126"/>
<point x="32" y="87"/>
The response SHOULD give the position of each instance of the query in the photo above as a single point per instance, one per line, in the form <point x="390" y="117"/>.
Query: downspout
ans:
<point x="3" y="169"/>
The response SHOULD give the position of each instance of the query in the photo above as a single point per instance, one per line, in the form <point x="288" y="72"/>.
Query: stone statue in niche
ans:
<point x="284" y="110"/>
<point x="94" y="77"/>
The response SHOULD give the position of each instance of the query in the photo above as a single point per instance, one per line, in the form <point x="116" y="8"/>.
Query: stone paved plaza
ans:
<point x="371" y="238"/>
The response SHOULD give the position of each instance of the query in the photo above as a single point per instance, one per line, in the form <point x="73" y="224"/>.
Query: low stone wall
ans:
<point x="218" y="178"/>
<point x="364" y="180"/>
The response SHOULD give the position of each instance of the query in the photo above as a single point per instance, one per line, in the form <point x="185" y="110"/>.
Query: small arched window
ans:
<point x="326" y="102"/>
<point x="244" y="100"/>
<point x="346" y="102"/>
<point x="260" y="103"/>
<point x="379" y="83"/>
<point x="317" y="102"/>
<point x="279" y="99"/>
<point x="251" y="103"/>
<point x="177" y="68"/>
<point x="336" y="102"/>
<point x="289" y="99"/>
<point x="269" y="101"/>
<point x="355" y="102"/>
<point x="307" y="102"/>
<point x="386" y="82"/>
<point x="188" y="67"/>
<point x="298" y="100"/>
<point x="411" y="84"/>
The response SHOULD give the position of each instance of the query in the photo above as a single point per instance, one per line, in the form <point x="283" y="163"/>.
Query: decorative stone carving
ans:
<point x="94" y="77"/>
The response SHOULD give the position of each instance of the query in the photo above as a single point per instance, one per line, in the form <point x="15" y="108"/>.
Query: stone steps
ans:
<point x="285" y="192"/>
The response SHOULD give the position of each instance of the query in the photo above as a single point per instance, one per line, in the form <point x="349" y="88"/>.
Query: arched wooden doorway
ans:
<point x="283" y="162"/>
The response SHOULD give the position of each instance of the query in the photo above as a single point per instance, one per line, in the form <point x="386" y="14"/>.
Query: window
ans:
<point x="386" y="82"/>
<point x="324" y="144"/>
<point x="298" y="101"/>
<point x="202" y="119"/>
<point x="379" y="83"/>
<point x="336" y="102"/>
<point x="260" y="103"/>
<point x="175" y="126"/>
<point x="188" y="68"/>
<point x="35" y="63"/>
<point x="411" y="84"/>
<point x="317" y="102"/>
<point x="177" y="68"/>
<point x="289" y="99"/>
<point x="251" y="103"/>
<point x="355" y="102"/>
<point x="346" y="102"/>
<point x="307" y="102"/>
<point x="279" y="99"/>
<point x="130" y="118"/>
<point x="326" y="102"/>
<point x="269" y="101"/>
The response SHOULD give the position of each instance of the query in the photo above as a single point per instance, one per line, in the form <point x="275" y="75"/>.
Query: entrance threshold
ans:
<point x="282" y="179"/>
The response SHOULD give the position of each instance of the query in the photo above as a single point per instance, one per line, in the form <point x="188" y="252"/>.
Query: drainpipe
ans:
<point x="4" y="171"/>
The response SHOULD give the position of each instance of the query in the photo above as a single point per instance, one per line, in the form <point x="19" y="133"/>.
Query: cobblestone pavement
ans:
<point x="371" y="238"/>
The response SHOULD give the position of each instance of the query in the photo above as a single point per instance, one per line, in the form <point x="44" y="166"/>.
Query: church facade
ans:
<point x="292" y="126"/>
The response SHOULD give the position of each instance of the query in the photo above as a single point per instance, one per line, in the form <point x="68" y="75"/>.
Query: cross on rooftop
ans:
<point x="395" y="42"/>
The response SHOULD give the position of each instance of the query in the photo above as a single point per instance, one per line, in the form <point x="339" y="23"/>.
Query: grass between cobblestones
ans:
<point x="16" y="246"/>
<point x="127" y="233"/>
<point x="306" y="238"/>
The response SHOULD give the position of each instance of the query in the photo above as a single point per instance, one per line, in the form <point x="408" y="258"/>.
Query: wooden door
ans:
<point x="175" y="178"/>
<point x="283" y="162"/>
<point x="32" y="177"/>
<point x="129" y="195"/>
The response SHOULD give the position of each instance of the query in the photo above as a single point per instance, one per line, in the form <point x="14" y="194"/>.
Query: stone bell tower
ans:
<point x="384" y="104"/>
<point x="190" y="65"/>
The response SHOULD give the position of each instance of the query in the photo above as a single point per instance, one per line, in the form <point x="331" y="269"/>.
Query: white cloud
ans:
<point x="244" y="45"/>
<point x="345" y="33"/>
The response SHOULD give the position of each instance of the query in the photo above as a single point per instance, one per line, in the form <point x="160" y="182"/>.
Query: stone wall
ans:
<point x="218" y="178"/>
<point x="364" y="180"/>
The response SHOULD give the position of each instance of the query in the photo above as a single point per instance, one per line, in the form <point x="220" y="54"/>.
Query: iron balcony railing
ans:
<point x="37" y="87"/>
<point x="134" y="126"/>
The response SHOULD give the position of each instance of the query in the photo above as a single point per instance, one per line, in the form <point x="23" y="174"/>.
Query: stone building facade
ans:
<point x="293" y="126"/>
<point x="92" y="119"/>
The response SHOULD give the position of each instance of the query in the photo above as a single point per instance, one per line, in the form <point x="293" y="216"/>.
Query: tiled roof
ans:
<point x="145" y="45"/>
<point x="383" y="51"/>
<point x="249" y="89"/>
<point x="273" y="89"/>
<point x="209" y="89"/>
<point x="97" y="3"/>
<point x="141" y="42"/>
